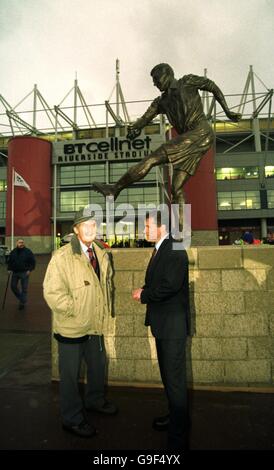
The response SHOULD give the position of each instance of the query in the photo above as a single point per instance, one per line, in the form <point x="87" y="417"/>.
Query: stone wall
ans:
<point x="232" y="319"/>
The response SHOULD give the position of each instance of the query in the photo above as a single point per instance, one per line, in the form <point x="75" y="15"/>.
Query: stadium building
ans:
<point x="59" y="151"/>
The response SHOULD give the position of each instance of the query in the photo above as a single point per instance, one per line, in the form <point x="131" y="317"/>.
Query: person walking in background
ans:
<point x="166" y="294"/>
<point x="249" y="239"/>
<point x="78" y="290"/>
<point x="21" y="262"/>
<point x="270" y="238"/>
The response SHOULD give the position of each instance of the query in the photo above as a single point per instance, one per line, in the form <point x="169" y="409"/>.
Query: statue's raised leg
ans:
<point x="135" y="173"/>
<point x="178" y="197"/>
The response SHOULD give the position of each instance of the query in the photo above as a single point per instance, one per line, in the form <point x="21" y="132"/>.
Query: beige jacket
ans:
<point x="79" y="301"/>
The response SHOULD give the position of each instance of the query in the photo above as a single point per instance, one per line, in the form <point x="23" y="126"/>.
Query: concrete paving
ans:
<point x="29" y="401"/>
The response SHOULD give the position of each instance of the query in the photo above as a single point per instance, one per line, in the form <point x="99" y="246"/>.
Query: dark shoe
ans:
<point x="83" y="429"/>
<point x="161" y="423"/>
<point x="21" y="306"/>
<point x="107" y="408"/>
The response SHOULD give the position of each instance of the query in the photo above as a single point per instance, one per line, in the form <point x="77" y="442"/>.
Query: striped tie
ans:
<point x="93" y="261"/>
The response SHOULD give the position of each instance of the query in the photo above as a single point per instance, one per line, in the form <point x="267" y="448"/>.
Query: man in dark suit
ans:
<point x="166" y="294"/>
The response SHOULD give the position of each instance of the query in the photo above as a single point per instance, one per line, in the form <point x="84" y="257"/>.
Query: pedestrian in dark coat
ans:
<point x="21" y="263"/>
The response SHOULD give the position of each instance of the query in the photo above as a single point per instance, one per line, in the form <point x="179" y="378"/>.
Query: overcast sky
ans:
<point x="47" y="41"/>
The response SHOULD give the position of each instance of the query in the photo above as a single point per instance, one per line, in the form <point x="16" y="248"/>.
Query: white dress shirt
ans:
<point x="85" y="249"/>
<point x="159" y="243"/>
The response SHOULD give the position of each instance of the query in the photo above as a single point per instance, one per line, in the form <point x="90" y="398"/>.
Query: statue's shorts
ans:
<point x="186" y="150"/>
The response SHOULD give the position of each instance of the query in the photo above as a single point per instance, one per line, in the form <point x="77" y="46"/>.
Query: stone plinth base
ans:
<point x="232" y="319"/>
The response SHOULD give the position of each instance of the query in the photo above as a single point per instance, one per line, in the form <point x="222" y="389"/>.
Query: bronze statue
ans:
<point x="181" y="103"/>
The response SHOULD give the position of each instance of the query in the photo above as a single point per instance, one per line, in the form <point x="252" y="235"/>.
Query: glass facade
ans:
<point x="237" y="173"/>
<point x="71" y="175"/>
<point x="78" y="175"/>
<point x="75" y="182"/>
<point x="3" y="185"/>
<point x="82" y="174"/>
<point x="238" y="200"/>
<point x="270" y="199"/>
<point x="2" y="209"/>
<point x="72" y="201"/>
<point x="138" y="195"/>
<point x="269" y="171"/>
<point x="116" y="170"/>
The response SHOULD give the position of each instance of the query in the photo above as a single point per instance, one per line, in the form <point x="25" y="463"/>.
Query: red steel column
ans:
<point x="200" y="192"/>
<point x="31" y="158"/>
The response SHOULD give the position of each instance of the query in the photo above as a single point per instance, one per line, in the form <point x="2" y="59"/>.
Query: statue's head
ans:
<point x="162" y="75"/>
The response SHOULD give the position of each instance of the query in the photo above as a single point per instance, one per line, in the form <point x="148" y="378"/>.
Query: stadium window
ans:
<point x="67" y="201"/>
<point x="138" y="195"/>
<point x="270" y="199"/>
<point x="2" y="209"/>
<point x="251" y="172"/>
<point x="72" y="201"/>
<point x="96" y="198"/>
<point x="82" y="174"/>
<point x="223" y="173"/>
<point x="237" y="173"/>
<point x="119" y="169"/>
<point x="67" y="175"/>
<point x="3" y="185"/>
<point x="269" y="171"/>
<point x="81" y="199"/>
<point x="116" y="170"/>
<point x="224" y="201"/>
<point x="239" y="200"/>
<point x="252" y="199"/>
<point x="97" y="172"/>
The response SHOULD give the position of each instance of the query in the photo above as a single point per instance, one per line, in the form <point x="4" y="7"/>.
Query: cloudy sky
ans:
<point x="47" y="41"/>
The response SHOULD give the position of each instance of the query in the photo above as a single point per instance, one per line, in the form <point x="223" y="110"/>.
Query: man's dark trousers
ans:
<point x="23" y="278"/>
<point x="93" y="352"/>
<point x="172" y="363"/>
<point x="166" y="293"/>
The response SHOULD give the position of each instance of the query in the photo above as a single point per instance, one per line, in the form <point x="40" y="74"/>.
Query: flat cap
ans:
<point x="83" y="215"/>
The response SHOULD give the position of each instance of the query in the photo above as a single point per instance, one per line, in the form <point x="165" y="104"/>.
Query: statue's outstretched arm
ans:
<point x="222" y="101"/>
<point x="219" y="96"/>
<point x="204" y="83"/>
<point x="143" y="121"/>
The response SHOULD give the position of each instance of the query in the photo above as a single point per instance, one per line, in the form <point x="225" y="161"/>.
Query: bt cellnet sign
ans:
<point x="111" y="148"/>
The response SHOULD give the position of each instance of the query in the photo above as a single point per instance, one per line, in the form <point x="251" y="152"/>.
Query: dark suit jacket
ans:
<point x="166" y="292"/>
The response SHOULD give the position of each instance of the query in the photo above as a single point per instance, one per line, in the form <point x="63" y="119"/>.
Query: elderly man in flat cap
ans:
<point x="77" y="288"/>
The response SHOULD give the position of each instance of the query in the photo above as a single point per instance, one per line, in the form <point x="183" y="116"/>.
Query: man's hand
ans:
<point x="235" y="117"/>
<point x="136" y="294"/>
<point x="133" y="133"/>
<point x="28" y="273"/>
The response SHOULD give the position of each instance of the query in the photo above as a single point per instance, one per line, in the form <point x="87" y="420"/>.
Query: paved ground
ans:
<point x="29" y="407"/>
<point x="37" y="316"/>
